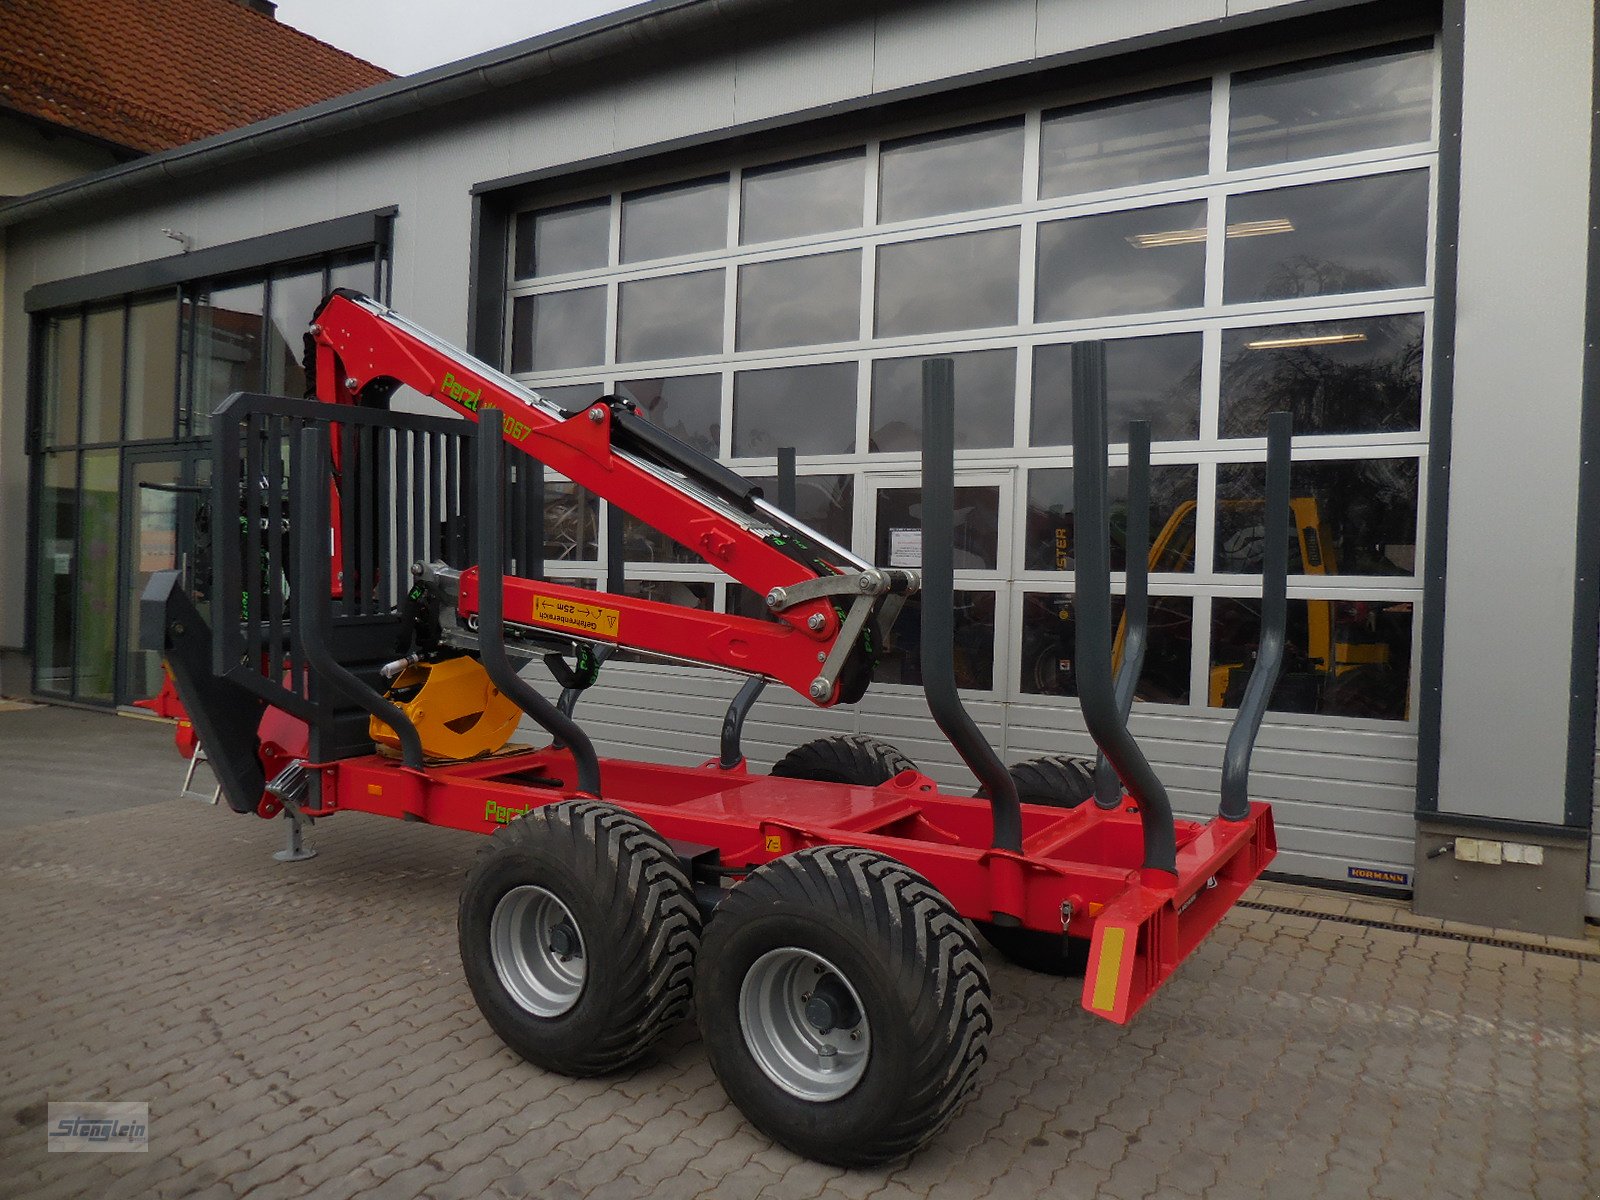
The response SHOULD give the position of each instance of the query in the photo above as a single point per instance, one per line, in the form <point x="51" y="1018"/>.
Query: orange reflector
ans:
<point x="1105" y="979"/>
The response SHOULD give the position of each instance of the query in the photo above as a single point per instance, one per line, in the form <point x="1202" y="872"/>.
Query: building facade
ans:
<point x="757" y="221"/>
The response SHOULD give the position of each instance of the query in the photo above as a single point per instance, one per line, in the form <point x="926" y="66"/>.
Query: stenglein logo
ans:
<point x="99" y="1127"/>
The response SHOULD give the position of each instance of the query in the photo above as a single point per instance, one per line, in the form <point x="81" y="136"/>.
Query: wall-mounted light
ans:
<point x="1189" y="237"/>
<point x="1310" y="339"/>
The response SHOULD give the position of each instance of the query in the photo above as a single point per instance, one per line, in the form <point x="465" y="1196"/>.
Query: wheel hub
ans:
<point x="537" y="951"/>
<point x="804" y="1025"/>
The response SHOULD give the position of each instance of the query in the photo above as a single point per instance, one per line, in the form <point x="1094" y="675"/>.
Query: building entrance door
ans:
<point x="163" y="491"/>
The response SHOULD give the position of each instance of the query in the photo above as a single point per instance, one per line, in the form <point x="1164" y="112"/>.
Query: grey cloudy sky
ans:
<point x="411" y="35"/>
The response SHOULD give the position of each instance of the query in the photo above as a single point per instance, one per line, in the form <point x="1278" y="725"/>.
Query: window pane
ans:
<point x="1342" y="658"/>
<point x="156" y="519"/>
<point x="901" y="660"/>
<point x="968" y="281"/>
<point x="153" y="368"/>
<point x="575" y="237"/>
<point x="571" y="521"/>
<point x="642" y="543"/>
<point x="1350" y="235"/>
<point x="812" y="409"/>
<point x="100" y="519"/>
<point x="986" y="385"/>
<point x="227" y="349"/>
<point x="558" y="329"/>
<point x="682" y="219"/>
<point x="62" y="346"/>
<point x="673" y="316"/>
<point x="102" y="376"/>
<point x="1126" y="142"/>
<point x="1358" y="375"/>
<point x="790" y="200"/>
<point x="683" y="593"/>
<point x="1144" y="260"/>
<point x="357" y="271"/>
<point x="573" y="397"/>
<point x="58" y="571"/>
<point x="824" y="502"/>
<point x="800" y="301"/>
<point x="1155" y="379"/>
<point x="978" y="167"/>
<point x="689" y="407"/>
<point x="1353" y="518"/>
<point x="1330" y="107"/>
<point x="977" y="528"/>
<point x="1049" y="646"/>
<point x="294" y="299"/>
<point x="1173" y="492"/>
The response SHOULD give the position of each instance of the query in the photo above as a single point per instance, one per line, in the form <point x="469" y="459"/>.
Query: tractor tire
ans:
<point x="578" y="933"/>
<point x="846" y="758"/>
<point x="1055" y="781"/>
<point x="844" y="1005"/>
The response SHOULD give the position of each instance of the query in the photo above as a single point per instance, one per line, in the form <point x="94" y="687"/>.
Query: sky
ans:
<point x="412" y="35"/>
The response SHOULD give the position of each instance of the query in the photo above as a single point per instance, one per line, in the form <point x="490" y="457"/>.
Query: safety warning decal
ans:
<point x="591" y="619"/>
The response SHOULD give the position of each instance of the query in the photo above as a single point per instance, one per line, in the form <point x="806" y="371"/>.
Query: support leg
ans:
<point x="296" y="850"/>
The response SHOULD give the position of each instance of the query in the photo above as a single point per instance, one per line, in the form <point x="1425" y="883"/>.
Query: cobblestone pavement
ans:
<point x="304" y="1030"/>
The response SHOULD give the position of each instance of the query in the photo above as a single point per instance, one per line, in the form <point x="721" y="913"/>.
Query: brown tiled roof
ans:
<point x="153" y="74"/>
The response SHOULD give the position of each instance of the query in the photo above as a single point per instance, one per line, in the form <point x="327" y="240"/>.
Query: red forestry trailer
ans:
<point x="355" y="645"/>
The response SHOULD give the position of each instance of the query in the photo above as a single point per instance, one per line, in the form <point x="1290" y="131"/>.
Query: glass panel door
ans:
<point x="163" y="492"/>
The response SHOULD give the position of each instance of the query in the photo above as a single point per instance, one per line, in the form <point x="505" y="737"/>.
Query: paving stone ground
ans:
<point x="304" y="1030"/>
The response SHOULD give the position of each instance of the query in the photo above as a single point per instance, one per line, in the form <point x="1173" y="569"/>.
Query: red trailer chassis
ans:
<point x="1141" y="889"/>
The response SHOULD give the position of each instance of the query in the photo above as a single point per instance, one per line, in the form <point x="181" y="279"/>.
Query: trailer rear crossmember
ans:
<point x="362" y="604"/>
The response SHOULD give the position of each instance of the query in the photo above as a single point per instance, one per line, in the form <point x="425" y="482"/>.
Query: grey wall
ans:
<point x="1518" y="377"/>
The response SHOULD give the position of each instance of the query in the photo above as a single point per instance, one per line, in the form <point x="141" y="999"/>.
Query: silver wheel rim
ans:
<point x="537" y="951"/>
<point x="783" y="994"/>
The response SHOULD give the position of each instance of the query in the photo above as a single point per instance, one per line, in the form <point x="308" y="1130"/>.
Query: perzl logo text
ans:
<point x="459" y="392"/>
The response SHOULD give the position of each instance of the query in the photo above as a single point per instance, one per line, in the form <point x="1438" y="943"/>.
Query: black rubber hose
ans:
<point x="1092" y="609"/>
<point x="491" y="608"/>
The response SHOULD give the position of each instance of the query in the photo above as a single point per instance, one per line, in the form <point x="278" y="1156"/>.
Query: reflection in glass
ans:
<point x="682" y="592"/>
<point x="1330" y="106"/>
<point x="1342" y="658"/>
<point x="57" y="572"/>
<point x="99" y="529"/>
<point x="1322" y="239"/>
<point x="558" y="329"/>
<point x="294" y="299"/>
<point x="1352" y="517"/>
<point x="901" y="660"/>
<point x="689" y="407"/>
<point x="153" y="368"/>
<point x="357" y="271"/>
<point x="571" y="521"/>
<point x="799" y="199"/>
<point x="670" y="316"/>
<point x="574" y="237"/>
<point x="800" y="301"/>
<point x="102" y="376"/>
<point x="227" y="350"/>
<point x="824" y="502"/>
<point x="643" y="543"/>
<point x="977" y="167"/>
<point x="1357" y="375"/>
<point x="1145" y="139"/>
<point x="986" y="384"/>
<point x="155" y="529"/>
<point x="1143" y="260"/>
<point x="977" y="528"/>
<point x="1155" y="379"/>
<point x="968" y="281"/>
<point x="572" y="397"/>
<point x="1173" y="493"/>
<point x="1049" y="646"/>
<point x="810" y="408"/>
<point x="685" y="218"/>
<point x="62" y="348"/>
